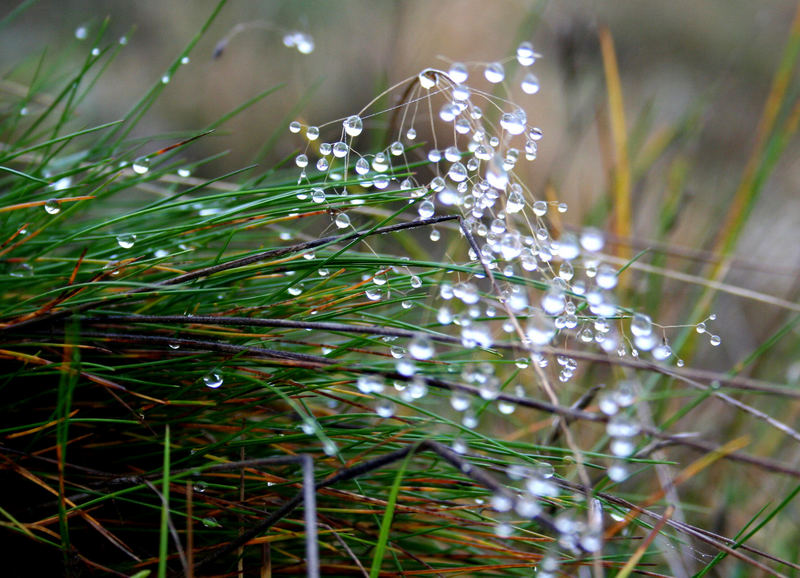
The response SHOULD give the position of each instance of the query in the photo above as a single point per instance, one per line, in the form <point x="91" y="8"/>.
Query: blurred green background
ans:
<point x="710" y="62"/>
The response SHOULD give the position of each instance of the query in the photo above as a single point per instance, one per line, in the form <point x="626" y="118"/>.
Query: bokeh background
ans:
<point x="710" y="61"/>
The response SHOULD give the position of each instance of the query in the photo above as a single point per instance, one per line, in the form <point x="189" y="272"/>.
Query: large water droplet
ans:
<point x="540" y="329"/>
<point x="340" y="150"/>
<point x="513" y="123"/>
<point x="421" y="347"/>
<point x="370" y="384"/>
<point x="525" y="54"/>
<point x="553" y="301"/>
<point x="427" y="79"/>
<point x="458" y="73"/>
<point x="530" y="84"/>
<point x="353" y="125"/>
<point x="342" y="221"/>
<point x="141" y="165"/>
<point x="312" y="133"/>
<point x="52" y="207"/>
<point x="592" y="240"/>
<point x="126" y="240"/>
<point x="213" y="379"/>
<point x="457" y="172"/>
<point x="496" y="175"/>
<point x="494" y="72"/>
<point x="425" y="210"/>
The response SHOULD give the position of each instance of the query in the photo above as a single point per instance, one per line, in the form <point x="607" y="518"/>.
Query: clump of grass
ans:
<point x="391" y="358"/>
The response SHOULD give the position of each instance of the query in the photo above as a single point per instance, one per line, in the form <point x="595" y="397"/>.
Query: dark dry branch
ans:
<point x="317" y="362"/>
<point x="348" y="473"/>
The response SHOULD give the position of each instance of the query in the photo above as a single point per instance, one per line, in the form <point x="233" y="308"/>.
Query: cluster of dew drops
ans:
<point x="474" y="174"/>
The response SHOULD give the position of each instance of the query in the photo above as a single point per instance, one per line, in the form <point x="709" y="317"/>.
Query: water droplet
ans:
<point x="494" y="72"/>
<point x="714" y="340"/>
<point x="380" y="163"/>
<point x="496" y="175"/>
<point x="213" y="379"/>
<point x="353" y="125"/>
<point x="553" y="301"/>
<point x="185" y="60"/>
<point x="211" y="523"/>
<point x="503" y="530"/>
<point x="200" y="487"/>
<point x="165" y="79"/>
<point x="618" y="472"/>
<point x="427" y="79"/>
<point x="515" y="201"/>
<point x="622" y="426"/>
<point x="126" y="240"/>
<point x="568" y="247"/>
<point x="662" y="351"/>
<point x="449" y="112"/>
<point x="397" y="148"/>
<point x="540" y="329"/>
<point x="370" y="384"/>
<point x="526" y="56"/>
<point x="342" y="221"/>
<point x="540" y="208"/>
<point x="501" y="503"/>
<point x="301" y="161"/>
<point x="641" y="324"/>
<point x="340" y="149"/>
<point x="458" y="73"/>
<point x="81" y="32"/>
<point x="421" y="347"/>
<point x="506" y="407"/>
<point x="385" y="408"/>
<point x="425" y="210"/>
<point x="461" y="94"/>
<point x="622" y="447"/>
<point x="530" y="84"/>
<point x="606" y="277"/>
<point x="318" y="195"/>
<point x="512" y="123"/>
<point x="416" y="282"/>
<point x="52" y="207"/>
<point x="95" y="52"/>
<point x="592" y="240"/>
<point x="457" y="172"/>
<point x="184" y="173"/>
<point x="312" y="133"/>
<point x="460" y="401"/>
<point x="295" y="127"/>
<point x="141" y="165"/>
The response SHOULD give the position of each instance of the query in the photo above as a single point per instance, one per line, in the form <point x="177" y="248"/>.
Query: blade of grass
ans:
<point x="163" y="542"/>
<point x="386" y="521"/>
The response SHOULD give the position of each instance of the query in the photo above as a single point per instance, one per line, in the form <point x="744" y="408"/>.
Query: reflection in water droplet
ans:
<point x="213" y="379"/>
<point x="126" y="240"/>
<point x="141" y="165"/>
<point x="52" y="207"/>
